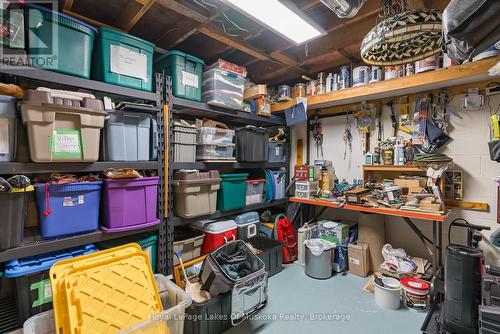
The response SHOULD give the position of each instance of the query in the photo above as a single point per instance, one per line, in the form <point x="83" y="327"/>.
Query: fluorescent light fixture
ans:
<point x="287" y="21"/>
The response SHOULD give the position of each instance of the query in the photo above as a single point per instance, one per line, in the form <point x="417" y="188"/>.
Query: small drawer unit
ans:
<point x="306" y="186"/>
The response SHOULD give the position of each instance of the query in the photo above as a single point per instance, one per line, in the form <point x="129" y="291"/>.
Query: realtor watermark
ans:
<point x="30" y="40"/>
<point x="260" y="316"/>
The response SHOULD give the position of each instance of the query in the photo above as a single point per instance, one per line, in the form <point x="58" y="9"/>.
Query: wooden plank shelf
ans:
<point x="475" y="206"/>
<point x="418" y="83"/>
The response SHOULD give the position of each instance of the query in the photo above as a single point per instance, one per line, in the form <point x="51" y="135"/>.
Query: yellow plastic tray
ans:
<point x="104" y="292"/>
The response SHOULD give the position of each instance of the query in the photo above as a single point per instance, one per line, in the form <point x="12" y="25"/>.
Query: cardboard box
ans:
<point x="420" y="182"/>
<point x="254" y="92"/>
<point x="359" y="259"/>
<point x="335" y="232"/>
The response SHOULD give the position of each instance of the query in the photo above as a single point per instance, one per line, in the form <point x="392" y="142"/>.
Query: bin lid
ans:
<point x="256" y="181"/>
<point x="7" y="98"/>
<point x="38" y="263"/>
<point x="119" y="35"/>
<point x="195" y="175"/>
<point x="181" y="54"/>
<point x="60" y="17"/>
<point x="211" y="226"/>
<point x="236" y="176"/>
<point x="247" y="217"/>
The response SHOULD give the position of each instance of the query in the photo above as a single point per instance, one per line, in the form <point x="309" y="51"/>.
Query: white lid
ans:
<point x="211" y="226"/>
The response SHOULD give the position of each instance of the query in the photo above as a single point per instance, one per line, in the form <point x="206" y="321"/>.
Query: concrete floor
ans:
<point x="293" y="294"/>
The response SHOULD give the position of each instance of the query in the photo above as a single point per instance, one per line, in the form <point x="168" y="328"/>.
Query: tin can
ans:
<point x="409" y="69"/>
<point x="388" y="156"/>
<point x="390" y="72"/>
<point x="344" y="77"/>
<point x="284" y="92"/>
<point x="360" y="76"/>
<point x="299" y="90"/>
<point x="321" y="83"/>
<point x="335" y="81"/>
<point x="428" y="64"/>
<point x="375" y="74"/>
<point x="311" y="88"/>
<point x="401" y="71"/>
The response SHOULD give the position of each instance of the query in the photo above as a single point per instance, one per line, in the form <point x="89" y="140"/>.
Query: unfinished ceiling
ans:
<point x="209" y="30"/>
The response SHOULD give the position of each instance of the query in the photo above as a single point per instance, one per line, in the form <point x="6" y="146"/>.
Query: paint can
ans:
<point x="335" y="82"/>
<point x="409" y="69"/>
<point x="321" y="83"/>
<point x="375" y="74"/>
<point x="311" y="88"/>
<point x="415" y="293"/>
<point x="344" y="77"/>
<point x="401" y="71"/>
<point x="428" y="64"/>
<point x="360" y="76"/>
<point x="284" y="92"/>
<point x="390" y="72"/>
<point x="299" y="90"/>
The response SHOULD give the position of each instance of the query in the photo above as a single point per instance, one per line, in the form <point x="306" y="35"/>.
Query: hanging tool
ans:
<point x="393" y="119"/>
<point x="318" y="136"/>
<point x="363" y="123"/>
<point x="347" y="136"/>
<point x="380" y="126"/>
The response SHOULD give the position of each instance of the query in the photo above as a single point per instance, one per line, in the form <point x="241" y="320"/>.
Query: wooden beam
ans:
<point x="476" y="206"/>
<point x="184" y="10"/>
<point x="130" y="15"/>
<point x="67" y="4"/>
<point x="89" y="20"/>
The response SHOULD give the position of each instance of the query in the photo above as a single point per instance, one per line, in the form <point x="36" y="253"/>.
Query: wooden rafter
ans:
<point x="67" y="4"/>
<point x="130" y="15"/>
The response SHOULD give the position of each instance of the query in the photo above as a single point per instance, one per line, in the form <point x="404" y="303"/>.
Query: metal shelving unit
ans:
<point x="205" y="165"/>
<point x="32" y="77"/>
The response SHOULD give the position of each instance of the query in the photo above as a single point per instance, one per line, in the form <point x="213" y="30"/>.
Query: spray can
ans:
<point x="344" y="77"/>
<point x="335" y="82"/>
<point x="329" y="83"/>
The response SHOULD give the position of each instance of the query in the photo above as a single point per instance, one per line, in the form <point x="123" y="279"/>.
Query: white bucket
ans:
<point x="360" y="76"/>
<point x="415" y="294"/>
<point x="389" y="295"/>
<point x="376" y="74"/>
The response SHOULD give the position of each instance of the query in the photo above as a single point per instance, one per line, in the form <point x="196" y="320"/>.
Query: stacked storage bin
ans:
<point x="184" y="143"/>
<point x="255" y="191"/>
<point x="279" y="184"/>
<point x="187" y="241"/>
<point x="276" y="152"/>
<point x="215" y="144"/>
<point x="232" y="193"/>
<point x="252" y="144"/>
<point x="223" y="85"/>
<point x="14" y="207"/>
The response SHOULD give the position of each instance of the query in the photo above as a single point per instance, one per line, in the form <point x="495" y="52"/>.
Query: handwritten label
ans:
<point x="66" y="142"/>
<point x="190" y="79"/>
<point x="127" y="62"/>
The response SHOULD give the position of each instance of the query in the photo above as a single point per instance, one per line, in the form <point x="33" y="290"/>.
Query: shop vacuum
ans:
<point x="462" y="281"/>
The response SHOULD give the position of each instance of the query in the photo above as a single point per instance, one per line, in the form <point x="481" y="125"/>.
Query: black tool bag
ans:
<point x="470" y="27"/>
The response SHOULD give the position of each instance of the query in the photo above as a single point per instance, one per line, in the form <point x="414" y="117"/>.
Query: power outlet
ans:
<point x="493" y="90"/>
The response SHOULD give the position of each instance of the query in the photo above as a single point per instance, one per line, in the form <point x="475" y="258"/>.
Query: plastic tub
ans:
<point x="415" y="293"/>
<point x="68" y="208"/>
<point x="217" y="233"/>
<point x="388" y="296"/>
<point x="223" y="88"/>
<point x="210" y="317"/>
<point x="129" y="204"/>
<point x="270" y="254"/>
<point x="215" y="151"/>
<point x="184" y="134"/>
<point x="276" y="152"/>
<point x="33" y="291"/>
<point x="71" y="52"/>
<point x="195" y="192"/>
<point x="127" y="136"/>
<point x="186" y="72"/>
<point x="208" y="135"/>
<point x="248" y="225"/>
<point x="123" y="59"/>
<point x="61" y="129"/>
<point x="14" y="208"/>
<point x="255" y="191"/>
<point x="279" y="184"/>
<point x="232" y="193"/>
<point x="8" y="128"/>
<point x="252" y="144"/>
<point x="188" y="242"/>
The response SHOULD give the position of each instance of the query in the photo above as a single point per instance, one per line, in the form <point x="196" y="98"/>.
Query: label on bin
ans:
<point x="74" y="200"/>
<point x="4" y="135"/>
<point x="66" y="143"/>
<point x="189" y="79"/>
<point x="127" y="62"/>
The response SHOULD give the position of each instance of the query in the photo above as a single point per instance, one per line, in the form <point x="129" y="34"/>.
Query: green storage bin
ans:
<point x="232" y="192"/>
<point x="123" y="59"/>
<point x="186" y="72"/>
<point x="70" y="53"/>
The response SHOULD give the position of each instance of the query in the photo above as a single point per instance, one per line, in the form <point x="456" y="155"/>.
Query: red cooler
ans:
<point x="217" y="233"/>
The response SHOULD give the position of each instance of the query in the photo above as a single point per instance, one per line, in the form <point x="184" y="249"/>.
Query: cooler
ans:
<point x="217" y="233"/>
<point x="248" y="225"/>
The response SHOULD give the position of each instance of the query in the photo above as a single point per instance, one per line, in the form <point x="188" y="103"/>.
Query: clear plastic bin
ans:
<point x="208" y="135"/>
<point x="255" y="191"/>
<point x="215" y="152"/>
<point x="223" y="88"/>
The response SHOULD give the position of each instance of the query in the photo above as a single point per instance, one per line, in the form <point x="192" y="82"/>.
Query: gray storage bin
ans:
<point x="8" y="128"/>
<point x="187" y="241"/>
<point x="127" y="136"/>
<point x="215" y="151"/>
<point x="184" y="143"/>
<point x="14" y="208"/>
<point x="248" y="225"/>
<point x="184" y="153"/>
<point x="185" y="134"/>
<point x="276" y="152"/>
<point x="252" y="144"/>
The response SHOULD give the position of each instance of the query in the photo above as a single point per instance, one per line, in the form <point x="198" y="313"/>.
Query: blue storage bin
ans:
<point x="279" y="184"/>
<point x="33" y="290"/>
<point x="68" y="208"/>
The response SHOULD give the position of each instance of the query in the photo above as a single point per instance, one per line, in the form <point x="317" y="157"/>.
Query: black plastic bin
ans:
<point x="252" y="144"/>
<point x="276" y="152"/>
<point x="271" y="253"/>
<point x="34" y="294"/>
<point x="13" y="207"/>
<point x="210" y="317"/>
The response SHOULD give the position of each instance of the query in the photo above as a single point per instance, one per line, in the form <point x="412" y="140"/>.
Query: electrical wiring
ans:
<point x="237" y="26"/>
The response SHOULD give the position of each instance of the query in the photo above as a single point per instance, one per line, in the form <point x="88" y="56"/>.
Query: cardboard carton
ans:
<point x="359" y="259"/>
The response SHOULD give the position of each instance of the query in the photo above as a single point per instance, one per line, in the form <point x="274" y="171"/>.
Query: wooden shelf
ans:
<point x="422" y="82"/>
<point x="382" y="211"/>
<point x="476" y="206"/>
<point x="393" y="168"/>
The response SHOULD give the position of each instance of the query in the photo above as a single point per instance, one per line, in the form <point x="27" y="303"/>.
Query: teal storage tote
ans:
<point x="123" y="59"/>
<point x="186" y="72"/>
<point x="59" y="42"/>
<point x="232" y="192"/>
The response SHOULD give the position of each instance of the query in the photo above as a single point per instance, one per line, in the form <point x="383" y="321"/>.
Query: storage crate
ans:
<point x="31" y="274"/>
<point x="184" y="152"/>
<point x="215" y="151"/>
<point x="127" y="137"/>
<point x="208" y="135"/>
<point x="195" y="193"/>
<point x="306" y="186"/>
<point x="232" y="193"/>
<point x="123" y="59"/>
<point x="489" y="319"/>
<point x="210" y="317"/>
<point x="279" y="184"/>
<point x="276" y="152"/>
<point x="71" y="52"/>
<point x="68" y="208"/>
<point x="248" y="225"/>
<point x="186" y="72"/>
<point x="270" y="254"/>
<point x="8" y="126"/>
<point x="129" y="204"/>
<point x="187" y="241"/>
<point x="223" y="88"/>
<point x="184" y="134"/>
<point x="255" y="191"/>
<point x="252" y="144"/>
<point x="14" y="210"/>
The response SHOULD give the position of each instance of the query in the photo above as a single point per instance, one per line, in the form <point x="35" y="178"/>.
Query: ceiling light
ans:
<point x="289" y="22"/>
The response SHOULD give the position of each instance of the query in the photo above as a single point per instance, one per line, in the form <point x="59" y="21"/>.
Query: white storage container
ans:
<point x="223" y="88"/>
<point x="309" y="186"/>
<point x="248" y="225"/>
<point x="255" y="191"/>
<point x="208" y="135"/>
<point x="215" y="151"/>
<point x="7" y="128"/>
<point x="305" y="194"/>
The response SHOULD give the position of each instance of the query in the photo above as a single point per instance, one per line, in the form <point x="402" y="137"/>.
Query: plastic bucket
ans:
<point x="415" y="293"/>
<point x="389" y="295"/>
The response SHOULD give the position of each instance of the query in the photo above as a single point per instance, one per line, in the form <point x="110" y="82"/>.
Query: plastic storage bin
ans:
<point x="255" y="191"/>
<point x="61" y="129"/>
<point x="252" y="144"/>
<point x="195" y="192"/>
<point x="33" y="291"/>
<point x="129" y="136"/>
<point x="208" y="135"/>
<point x="279" y="184"/>
<point x="217" y="233"/>
<point x="223" y="88"/>
<point x="129" y="204"/>
<point x="248" y="225"/>
<point x="232" y="193"/>
<point x="123" y="59"/>
<point x="210" y="317"/>
<point x="276" y="152"/>
<point x="215" y="151"/>
<point x="187" y="241"/>
<point x="184" y="143"/>
<point x="8" y="128"/>
<point x="14" y="208"/>
<point x="68" y="208"/>
<point x="71" y="41"/>
<point x="270" y="254"/>
<point x="186" y="72"/>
